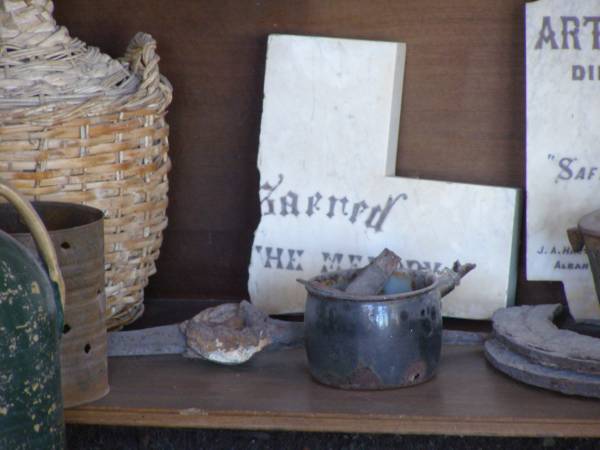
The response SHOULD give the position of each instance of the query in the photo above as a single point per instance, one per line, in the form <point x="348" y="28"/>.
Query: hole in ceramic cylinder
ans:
<point x="65" y="246"/>
<point x="87" y="348"/>
<point x="66" y="328"/>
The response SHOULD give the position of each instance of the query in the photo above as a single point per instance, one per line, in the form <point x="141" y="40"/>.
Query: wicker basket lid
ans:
<point x="41" y="63"/>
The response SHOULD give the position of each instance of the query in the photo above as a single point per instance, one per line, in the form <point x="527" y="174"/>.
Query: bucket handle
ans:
<point x="39" y="233"/>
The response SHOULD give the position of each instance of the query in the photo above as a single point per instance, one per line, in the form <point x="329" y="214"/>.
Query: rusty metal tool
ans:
<point x="227" y="334"/>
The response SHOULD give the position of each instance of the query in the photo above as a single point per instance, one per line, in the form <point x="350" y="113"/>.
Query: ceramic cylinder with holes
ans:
<point x="77" y="233"/>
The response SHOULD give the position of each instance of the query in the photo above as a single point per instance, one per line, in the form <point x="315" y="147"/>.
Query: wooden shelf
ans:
<point x="275" y="392"/>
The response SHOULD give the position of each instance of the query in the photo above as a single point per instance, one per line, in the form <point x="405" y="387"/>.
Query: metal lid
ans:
<point x="590" y="224"/>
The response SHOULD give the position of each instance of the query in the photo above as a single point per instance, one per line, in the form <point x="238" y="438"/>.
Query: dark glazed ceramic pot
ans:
<point x="379" y="341"/>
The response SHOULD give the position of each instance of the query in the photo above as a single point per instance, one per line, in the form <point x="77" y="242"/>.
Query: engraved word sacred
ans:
<point x="290" y="204"/>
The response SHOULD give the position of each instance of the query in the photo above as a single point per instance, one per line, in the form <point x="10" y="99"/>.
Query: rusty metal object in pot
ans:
<point x="381" y="341"/>
<point x="78" y="236"/>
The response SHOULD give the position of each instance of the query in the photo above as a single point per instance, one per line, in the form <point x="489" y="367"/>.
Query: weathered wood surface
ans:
<point x="530" y="372"/>
<point x="274" y="391"/>
<point x="531" y="332"/>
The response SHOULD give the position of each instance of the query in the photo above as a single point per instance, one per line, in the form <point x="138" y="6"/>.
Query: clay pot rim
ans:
<point x="316" y="288"/>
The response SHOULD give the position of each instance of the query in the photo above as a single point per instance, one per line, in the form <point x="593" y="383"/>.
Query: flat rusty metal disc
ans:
<point x="531" y="332"/>
<point x="522" y="369"/>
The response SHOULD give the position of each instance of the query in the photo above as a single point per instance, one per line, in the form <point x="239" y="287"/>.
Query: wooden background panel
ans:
<point x="462" y="116"/>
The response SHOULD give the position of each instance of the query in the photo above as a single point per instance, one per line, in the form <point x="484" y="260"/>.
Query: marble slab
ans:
<point x="563" y="142"/>
<point x="329" y="195"/>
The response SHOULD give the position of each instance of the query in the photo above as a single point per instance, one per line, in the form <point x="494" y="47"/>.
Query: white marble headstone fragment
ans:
<point x="563" y="142"/>
<point x="328" y="193"/>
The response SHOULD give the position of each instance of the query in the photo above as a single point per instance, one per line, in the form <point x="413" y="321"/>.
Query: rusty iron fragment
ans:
<point x="372" y="278"/>
<point x="227" y="334"/>
<point x="164" y="340"/>
<point x="232" y="333"/>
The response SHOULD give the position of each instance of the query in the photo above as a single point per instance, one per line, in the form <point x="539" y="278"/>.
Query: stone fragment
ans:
<point x="232" y="333"/>
<point x="329" y="196"/>
<point x="372" y="278"/>
<point x="563" y="170"/>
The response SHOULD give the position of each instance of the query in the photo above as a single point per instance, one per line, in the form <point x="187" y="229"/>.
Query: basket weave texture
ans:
<point x="77" y="126"/>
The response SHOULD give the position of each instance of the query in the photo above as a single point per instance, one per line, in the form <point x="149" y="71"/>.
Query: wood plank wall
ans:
<point x="462" y="118"/>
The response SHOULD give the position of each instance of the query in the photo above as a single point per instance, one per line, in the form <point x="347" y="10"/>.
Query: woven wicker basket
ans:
<point x="77" y="126"/>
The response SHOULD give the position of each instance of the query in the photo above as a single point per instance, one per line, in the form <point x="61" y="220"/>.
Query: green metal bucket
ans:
<point x="31" y="316"/>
